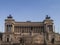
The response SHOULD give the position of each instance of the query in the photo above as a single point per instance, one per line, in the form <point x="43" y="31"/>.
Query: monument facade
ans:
<point x="29" y="33"/>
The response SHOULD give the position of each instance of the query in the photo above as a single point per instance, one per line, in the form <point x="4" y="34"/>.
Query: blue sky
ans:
<point x="34" y="10"/>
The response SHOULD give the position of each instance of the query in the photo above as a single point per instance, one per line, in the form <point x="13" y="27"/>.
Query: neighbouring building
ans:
<point x="29" y="33"/>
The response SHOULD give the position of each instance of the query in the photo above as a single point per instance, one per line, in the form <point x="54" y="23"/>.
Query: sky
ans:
<point x="30" y="10"/>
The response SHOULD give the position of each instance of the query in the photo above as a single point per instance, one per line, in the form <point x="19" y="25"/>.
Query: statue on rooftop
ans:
<point x="47" y="17"/>
<point x="9" y="16"/>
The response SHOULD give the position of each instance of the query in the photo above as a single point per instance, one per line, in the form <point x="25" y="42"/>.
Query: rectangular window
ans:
<point x="50" y="27"/>
<point x="9" y="28"/>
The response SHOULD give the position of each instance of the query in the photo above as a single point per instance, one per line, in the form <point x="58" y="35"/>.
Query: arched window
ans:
<point x="7" y="39"/>
<point x="52" y="41"/>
